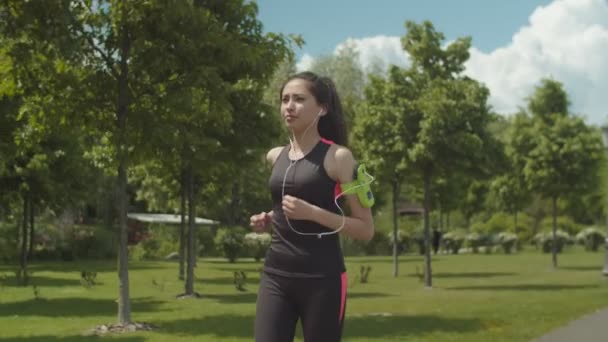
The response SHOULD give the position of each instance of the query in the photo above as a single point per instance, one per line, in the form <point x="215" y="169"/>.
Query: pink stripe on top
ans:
<point x="338" y="188"/>
<point x="328" y="142"/>
<point x="344" y="281"/>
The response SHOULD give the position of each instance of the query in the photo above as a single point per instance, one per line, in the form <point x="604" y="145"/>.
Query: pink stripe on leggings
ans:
<point x="344" y="281"/>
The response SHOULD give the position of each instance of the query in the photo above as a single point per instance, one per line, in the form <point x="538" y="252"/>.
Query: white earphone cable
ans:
<point x="291" y="164"/>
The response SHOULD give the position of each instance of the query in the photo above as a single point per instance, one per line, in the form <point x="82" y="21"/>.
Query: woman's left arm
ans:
<point x="360" y="224"/>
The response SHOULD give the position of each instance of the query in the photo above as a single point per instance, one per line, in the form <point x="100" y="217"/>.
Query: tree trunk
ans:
<point x="447" y="221"/>
<point x="191" y="229"/>
<point x="554" y="244"/>
<point x="23" y="257"/>
<point x="428" y="279"/>
<point x="124" y="301"/>
<point x="182" y="227"/>
<point x="30" y="251"/>
<point x="395" y="229"/>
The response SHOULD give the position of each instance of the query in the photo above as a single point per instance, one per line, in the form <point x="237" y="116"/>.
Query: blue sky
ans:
<point x="326" y="23"/>
<point x="516" y="43"/>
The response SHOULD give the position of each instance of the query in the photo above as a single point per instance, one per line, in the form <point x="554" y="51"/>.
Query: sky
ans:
<point x="515" y="43"/>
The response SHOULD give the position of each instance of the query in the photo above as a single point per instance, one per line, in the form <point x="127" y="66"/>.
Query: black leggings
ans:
<point x="320" y="303"/>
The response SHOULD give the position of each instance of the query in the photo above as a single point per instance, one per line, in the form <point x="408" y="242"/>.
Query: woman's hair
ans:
<point x="331" y="125"/>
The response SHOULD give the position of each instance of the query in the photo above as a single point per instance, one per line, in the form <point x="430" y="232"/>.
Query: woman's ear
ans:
<point x="323" y="111"/>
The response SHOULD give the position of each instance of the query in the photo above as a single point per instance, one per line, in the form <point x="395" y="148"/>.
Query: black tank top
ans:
<point x="291" y="254"/>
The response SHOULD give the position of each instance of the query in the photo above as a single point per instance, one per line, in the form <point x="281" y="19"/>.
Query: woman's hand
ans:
<point x="297" y="209"/>
<point x="260" y="222"/>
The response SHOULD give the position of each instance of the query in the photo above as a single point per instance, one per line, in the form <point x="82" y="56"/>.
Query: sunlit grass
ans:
<point x="474" y="298"/>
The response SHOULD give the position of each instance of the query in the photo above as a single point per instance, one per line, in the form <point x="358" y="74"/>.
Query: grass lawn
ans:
<point x="475" y="298"/>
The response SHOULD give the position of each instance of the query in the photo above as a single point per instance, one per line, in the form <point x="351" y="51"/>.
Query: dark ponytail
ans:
<point x="331" y="125"/>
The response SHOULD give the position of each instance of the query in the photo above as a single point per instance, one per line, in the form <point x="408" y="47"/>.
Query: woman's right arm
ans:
<point x="261" y="221"/>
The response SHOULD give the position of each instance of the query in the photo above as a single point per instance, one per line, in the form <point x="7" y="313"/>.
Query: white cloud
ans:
<point x="381" y="50"/>
<point x="305" y="62"/>
<point x="373" y="51"/>
<point x="566" y="40"/>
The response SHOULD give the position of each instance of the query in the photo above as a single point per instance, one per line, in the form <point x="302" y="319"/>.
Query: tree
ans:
<point x="38" y="150"/>
<point x="565" y="154"/>
<point x="452" y="114"/>
<point x="510" y="189"/>
<point x="346" y="72"/>
<point x="378" y="137"/>
<point x="140" y="58"/>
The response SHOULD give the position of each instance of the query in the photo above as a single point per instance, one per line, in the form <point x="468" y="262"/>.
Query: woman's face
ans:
<point x="299" y="108"/>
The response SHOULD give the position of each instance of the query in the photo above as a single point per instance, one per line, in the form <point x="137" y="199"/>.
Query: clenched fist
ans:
<point x="260" y="222"/>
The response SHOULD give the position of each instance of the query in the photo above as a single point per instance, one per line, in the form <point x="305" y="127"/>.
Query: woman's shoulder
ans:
<point x="340" y="154"/>
<point x="273" y="154"/>
<point x="340" y="163"/>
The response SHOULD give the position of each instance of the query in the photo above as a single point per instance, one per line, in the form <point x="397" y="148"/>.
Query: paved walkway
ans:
<point x="590" y="328"/>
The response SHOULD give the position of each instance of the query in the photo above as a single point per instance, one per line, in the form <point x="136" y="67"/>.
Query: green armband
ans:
<point x="360" y="186"/>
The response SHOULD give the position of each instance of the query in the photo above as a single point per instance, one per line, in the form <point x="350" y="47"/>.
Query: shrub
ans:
<point x="564" y="223"/>
<point x="402" y="241"/>
<point x="474" y="240"/>
<point x="592" y="238"/>
<point x="160" y="241"/>
<point x="8" y="243"/>
<point x="453" y="241"/>
<point x="507" y="241"/>
<point x="545" y="240"/>
<point x="230" y="242"/>
<point x="257" y="244"/>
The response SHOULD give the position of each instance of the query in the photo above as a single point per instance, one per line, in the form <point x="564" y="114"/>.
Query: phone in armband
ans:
<point x="361" y="186"/>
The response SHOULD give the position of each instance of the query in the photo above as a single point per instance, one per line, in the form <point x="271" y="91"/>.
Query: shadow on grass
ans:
<point x="251" y="296"/>
<point x="228" y="325"/>
<point x="597" y="268"/>
<point x="108" y="265"/>
<point x="408" y="259"/>
<point x="247" y="269"/>
<point x="236" y="298"/>
<point x="525" y="287"/>
<point x="252" y="279"/>
<point x="468" y="274"/>
<point x="361" y="295"/>
<point x="226" y="262"/>
<point x="406" y="326"/>
<point x="44" y="282"/>
<point x="76" y="338"/>
<point x="224" y="325"/>
<point x="73" y="307"/>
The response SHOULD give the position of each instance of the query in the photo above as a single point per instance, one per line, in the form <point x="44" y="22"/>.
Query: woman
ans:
<point x="304" y="274"/>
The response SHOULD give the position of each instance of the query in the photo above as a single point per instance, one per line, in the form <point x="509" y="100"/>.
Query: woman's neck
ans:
<point x="304" y="142"/>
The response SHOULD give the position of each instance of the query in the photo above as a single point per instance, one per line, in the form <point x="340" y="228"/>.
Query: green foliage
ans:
<point x="137" y="252"/>
<point x="88" y="279"/>
<point x="549" y="98"/>
<point x="161" y="240"/>
<point x="544" y="240"/>
<point x="379" y="245"/>
<point x="230" y="242"/>
<point x="453" y="240"/>
<point x="476" y="241"/>
<point x="507" y="240"/>
<point x="240" y="280"/>
<point x="257" y="244"/>
<point x="364" y="273"/>
<point x="592" y="238"/>
<point x="564" y="223"/>
<point x="8" y="243"/>
<point x="402" y="240"/>
<point x="345" y="70"/>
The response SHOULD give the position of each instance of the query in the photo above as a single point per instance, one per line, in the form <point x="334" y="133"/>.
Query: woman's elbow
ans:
<point x="369" y="233"/>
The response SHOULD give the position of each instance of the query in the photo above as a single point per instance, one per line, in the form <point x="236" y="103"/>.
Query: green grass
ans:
<point x="474" y="298"/>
